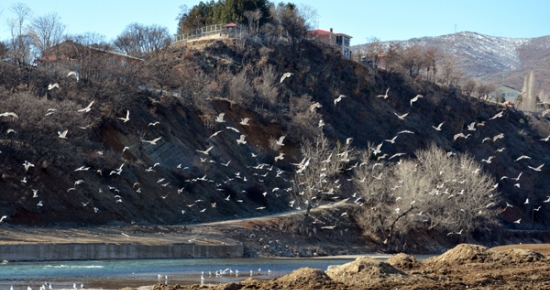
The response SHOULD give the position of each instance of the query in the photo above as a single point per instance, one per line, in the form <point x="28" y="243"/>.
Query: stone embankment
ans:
<point x="98" y="251"/>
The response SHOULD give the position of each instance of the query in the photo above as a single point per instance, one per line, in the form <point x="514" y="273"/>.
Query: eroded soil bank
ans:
<point x="466" y="266"/>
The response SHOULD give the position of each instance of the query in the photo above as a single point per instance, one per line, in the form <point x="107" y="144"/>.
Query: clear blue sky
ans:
<point x="362" y="19"/>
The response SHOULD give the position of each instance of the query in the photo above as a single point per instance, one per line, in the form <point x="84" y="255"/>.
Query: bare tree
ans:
<point x="47" y="31"/>
<point x="431" y="57"/>
<point x="413" y="59"/>
<point x="240" y="89"/>
<point x="139" y="40"/>
<point x="433" y="192"/>
<point x="317" y="175"/>
<point x="267" y="90"/>
<point x="373" y="49"/>
<point x="450" y="74"/>
<point x="485" y="89"/>
<point x="253" y="17"/>
<point x="21" y="41"/>
<point x="36" y="132"/>
<point x="469" y="86"/>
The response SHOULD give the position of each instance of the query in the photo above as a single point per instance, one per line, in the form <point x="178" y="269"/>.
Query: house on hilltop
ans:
<point x="505" y="93"/>
<point x="339" y="40"/>
<point x="71" y="54"/>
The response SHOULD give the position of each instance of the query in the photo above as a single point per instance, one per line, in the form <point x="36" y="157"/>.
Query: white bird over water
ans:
<point x="127" y="118"/>
<point x="3" y="218"/>
<point x="472" y="126"/>
<point x="219" y="118"/>
<point x="62" y="135"/>
<point x="339" y="99"/>
<point x="153" y="124"/>
<point x="415" y="99"/>
<point x="52" y="86"/>
<point x="87" y="109"/>
<point x="285" y="75"/>
<point x="152" y="142"/>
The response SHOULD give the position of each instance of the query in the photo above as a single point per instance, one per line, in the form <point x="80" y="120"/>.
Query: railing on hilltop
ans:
<point x="209" y="32"/>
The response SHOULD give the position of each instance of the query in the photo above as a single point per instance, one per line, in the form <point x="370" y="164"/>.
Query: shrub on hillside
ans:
<point x="449" y="194"/>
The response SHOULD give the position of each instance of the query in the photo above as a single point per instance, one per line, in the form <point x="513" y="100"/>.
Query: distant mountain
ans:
<point x="492" y="58"/>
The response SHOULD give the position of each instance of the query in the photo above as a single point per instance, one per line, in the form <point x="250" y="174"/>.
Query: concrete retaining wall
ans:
<point x="45" y="252"/>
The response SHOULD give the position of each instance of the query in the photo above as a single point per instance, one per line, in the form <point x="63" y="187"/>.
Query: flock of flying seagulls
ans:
<point x="262" y="167"/>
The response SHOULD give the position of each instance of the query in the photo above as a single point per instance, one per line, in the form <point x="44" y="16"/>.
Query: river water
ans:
<point x="116" y="274"/>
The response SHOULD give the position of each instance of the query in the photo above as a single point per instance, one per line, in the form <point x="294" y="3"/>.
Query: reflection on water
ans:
<point x="116" y="274"/>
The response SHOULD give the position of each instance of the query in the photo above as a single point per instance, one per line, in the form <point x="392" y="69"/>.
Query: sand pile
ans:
<point x="465" y="253"/>
<point x="365" y="269"/>
<point x="304" y="277"/>
<point x="403" y="261"/>
<point x="522" y="256"/>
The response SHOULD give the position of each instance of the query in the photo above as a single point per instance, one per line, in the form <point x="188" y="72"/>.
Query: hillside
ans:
<point x="173" y="182"/>
<point x="493" y="58"/>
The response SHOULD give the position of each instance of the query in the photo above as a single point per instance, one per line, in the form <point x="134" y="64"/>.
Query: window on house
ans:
<point x="346" y="41"/>
<point x="338" y="40"/>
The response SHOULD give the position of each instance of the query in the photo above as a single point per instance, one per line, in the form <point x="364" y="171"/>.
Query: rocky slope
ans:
<point x="171" y="182"/>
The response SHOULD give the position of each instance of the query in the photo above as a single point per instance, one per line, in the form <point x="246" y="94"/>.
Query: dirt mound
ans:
<point x="365" y="269"/>
<point x="464" y="253"/>
<point x="302" y="277"/>
<point x="523" y="256"/>
<point x="403" y="261"/>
